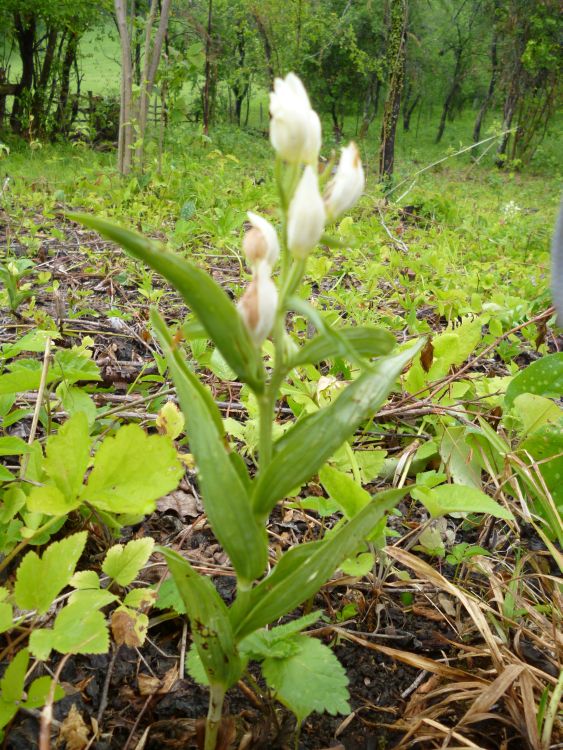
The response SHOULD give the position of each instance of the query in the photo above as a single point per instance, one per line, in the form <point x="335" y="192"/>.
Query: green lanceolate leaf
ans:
<point x="543" y="377"/>
<point x="206" y="298"/>
<point x="131" y="471"/>
<point x="302" y="570"/>
<point x="366" y="342"/>
<point x="209" y="618"/>
<point x="40" y="580"/>
<point x="301" y="451"/>
<point x="225" y="497"/>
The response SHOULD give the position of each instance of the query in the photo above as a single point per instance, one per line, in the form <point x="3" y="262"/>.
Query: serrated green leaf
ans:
<point x="170" y="598"/>
<point x="303" y="449"/>
<point x="67" y="456"/>
<point x="205" y="297"/>
<point x="6" y="617"/>
<point x="53" y="570"/>
<point x="85" y="579"/>
<point x="92" y="598"/>
<point x="72" y="365"/>
<point x="143" y="597"/>
<point x="195" y="667"/>
<point x="209" y="618"/>
<point x="75" y="399"/>
<point x="358" y="566"/>
<point x="11" y="684"/>
<point x="77" y="630"/>
<point x="543" y="377"/>
<point x="225" y="496"/>
<point x="49" y="500"/>
<point x="131" y="471"/>
<point x="124" y="563"/>
<point x="311" y="679"/>
<point x="458" y="498"/>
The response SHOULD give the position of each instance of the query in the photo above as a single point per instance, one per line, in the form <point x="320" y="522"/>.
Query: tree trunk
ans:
<point x="454" y="88"/>
<point x="64" y="115"/>
<point x="25" y="36"/>
<point x="490" y="92"/>
<point x="152" y="57"/>
<point x="371" y="104"/>
<point x="408" y="111"/>
<point x="396" y="58"/>
<point x="510" y="104"/>
<point x="207" y="87"/>
<point x="39" y="110"/>
<point x="267" y="46"/>
<point x="125" y="138"/>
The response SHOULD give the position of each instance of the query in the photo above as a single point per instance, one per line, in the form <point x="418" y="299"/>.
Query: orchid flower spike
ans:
<point x="347" y="185"/>
<point x="261" y="241"/>
<point x="258" y="305"/>
<point x="295" y="128"/>
<point x="306" y="218"/>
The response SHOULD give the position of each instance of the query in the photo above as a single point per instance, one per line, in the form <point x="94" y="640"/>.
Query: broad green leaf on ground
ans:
<point x="458" y="498"/>
<point x="310" y="679"/>
<point x="22" y="379"/>
<point x="38" y="692"/>
<point x="543" y="378"/>
<point x="75" y="399"/>
<point x="72" y="365"/>
<point x="6" y="616"/>
<point x="12" y="683"/>
<point x="40" y="580"/>
<point x="263" y="643"/>
<point x="225" y="495"/>
<point x="452" y="347"/>
<point x="131" y="471"/>
<point x="303" y="449"/>
<point x="535" y="411"/>
<point x="205" y="297"/>
<point x="34" y="341"/>
<point x="124" y="563"/>
<point x="458" y="456"/>
<point x="344" y="490"/>
<point x="545" y="446"/>
<point x="358" y="566"/>
<point x="78" y="629"/>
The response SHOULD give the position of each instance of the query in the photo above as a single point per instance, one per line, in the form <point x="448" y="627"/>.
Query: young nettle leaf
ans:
<point x="309" y="679"/>
<point x="78" y="629"/>
<point x="124" y="563"/>
<point x="131" y="471"/>
<point x="40" y="580"/>
<point x="458" y="498"/>
<point x="66" y="461"/>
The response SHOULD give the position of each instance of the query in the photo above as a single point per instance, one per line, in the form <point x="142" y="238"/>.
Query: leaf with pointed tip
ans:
<point x="206" y="298"/>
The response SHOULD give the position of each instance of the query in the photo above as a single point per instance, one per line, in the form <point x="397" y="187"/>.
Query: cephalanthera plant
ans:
<point x="238" y="505"/>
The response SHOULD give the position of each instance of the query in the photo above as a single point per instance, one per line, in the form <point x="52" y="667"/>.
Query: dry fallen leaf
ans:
<point x="74" y="731"/>
<point x="128" y="627"/>
<point x="182" y="503"/>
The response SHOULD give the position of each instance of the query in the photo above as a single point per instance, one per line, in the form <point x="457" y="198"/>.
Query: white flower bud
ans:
<point x="261" y="241"/>
<point x="258" y="305"/>
<point x="306" y="219"/>
<point x="295" y="128"/>
<point x="347" y="185"/>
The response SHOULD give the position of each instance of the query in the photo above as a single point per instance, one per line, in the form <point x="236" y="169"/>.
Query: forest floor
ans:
<point x="454" y="637"/>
